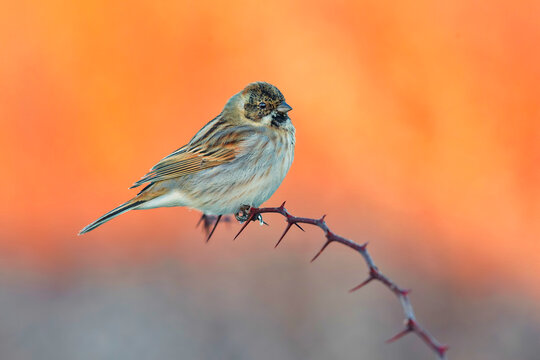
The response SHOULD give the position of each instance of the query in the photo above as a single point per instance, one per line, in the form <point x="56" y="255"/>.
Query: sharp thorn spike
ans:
<point x="367" y="281"/>
<point x="246" y="223"/>
<point x="320" y="251"/>
<point x="283" y="235"/>
<point x="298" y="226"/>
<point x="398" y="335"/>
<point x="200" y="220"/>
<point x="283" y="205"/>
<point x="214" y="228"/>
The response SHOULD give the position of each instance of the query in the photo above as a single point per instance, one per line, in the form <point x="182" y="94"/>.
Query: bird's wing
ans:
<point x="220" y="147"/>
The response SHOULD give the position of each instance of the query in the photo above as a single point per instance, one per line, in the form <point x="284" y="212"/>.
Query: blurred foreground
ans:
<point x="268" y="304"/>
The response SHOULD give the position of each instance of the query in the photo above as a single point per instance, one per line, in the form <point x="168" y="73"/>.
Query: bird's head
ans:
<point x="262" y="103"/>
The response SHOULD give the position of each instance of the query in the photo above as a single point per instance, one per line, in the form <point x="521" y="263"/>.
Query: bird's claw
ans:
<point x="243" y="215"/>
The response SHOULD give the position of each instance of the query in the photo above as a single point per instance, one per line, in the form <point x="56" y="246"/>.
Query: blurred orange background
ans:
<point x="418" y="128"/>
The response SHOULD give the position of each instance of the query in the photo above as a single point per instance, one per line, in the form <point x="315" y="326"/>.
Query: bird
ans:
<point x="235" y="162"/>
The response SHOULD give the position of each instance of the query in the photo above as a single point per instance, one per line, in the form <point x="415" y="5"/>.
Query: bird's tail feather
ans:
<point x="129" y="205"/>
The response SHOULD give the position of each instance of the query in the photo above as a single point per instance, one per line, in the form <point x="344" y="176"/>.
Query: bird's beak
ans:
<point x="284" y="107"/>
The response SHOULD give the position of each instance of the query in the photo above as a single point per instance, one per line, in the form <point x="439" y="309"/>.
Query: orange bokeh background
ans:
<point x="418" y="120"/>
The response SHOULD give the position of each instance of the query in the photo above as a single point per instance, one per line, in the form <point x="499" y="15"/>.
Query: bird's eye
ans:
<point x="262" y="105"/>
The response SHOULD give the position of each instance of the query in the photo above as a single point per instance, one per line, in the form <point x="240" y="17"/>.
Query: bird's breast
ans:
<point x="250" y="179"/>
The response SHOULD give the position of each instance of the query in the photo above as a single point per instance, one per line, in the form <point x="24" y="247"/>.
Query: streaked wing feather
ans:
<point x="221" y="148"/>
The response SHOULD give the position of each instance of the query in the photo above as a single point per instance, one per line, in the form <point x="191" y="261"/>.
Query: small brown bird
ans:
<point x="236" y="161"/>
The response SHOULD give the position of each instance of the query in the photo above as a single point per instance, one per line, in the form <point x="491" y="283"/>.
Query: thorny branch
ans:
<point x="411" y="324"/>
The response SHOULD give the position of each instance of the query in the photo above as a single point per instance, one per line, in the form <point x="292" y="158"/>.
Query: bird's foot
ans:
<point x="243" y="215"/>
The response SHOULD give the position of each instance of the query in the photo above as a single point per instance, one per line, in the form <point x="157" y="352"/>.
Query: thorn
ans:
<point x="298" y="226"/>
<point x="367" y="281"/>
<point x="441" y="350"/>
<point x="207" y="221"/>
<point x="283" y="235"/>
<point x="200" y="220"/>
<point x="214" y="228"/>
<point x="364" y="245"/>
<point x="404" y="292"/>
<point x="251" y="215"/>
<point x="322" y="249"/>
<point x="282" y="205"/>
<point x="321" y="220"/>
<point x="399" y="335"/>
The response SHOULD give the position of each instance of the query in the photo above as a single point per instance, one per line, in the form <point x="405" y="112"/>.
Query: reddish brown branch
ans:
<point x="411" y="325"/>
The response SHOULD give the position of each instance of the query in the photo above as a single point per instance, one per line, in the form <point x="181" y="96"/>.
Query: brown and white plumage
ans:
<point x="237" y="160"/>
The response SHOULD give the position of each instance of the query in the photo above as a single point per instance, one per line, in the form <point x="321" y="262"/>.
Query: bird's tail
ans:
<point x="129" y="205"/>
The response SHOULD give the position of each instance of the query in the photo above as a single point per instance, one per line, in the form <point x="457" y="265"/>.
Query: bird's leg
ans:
<point x="243" y="214"/>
